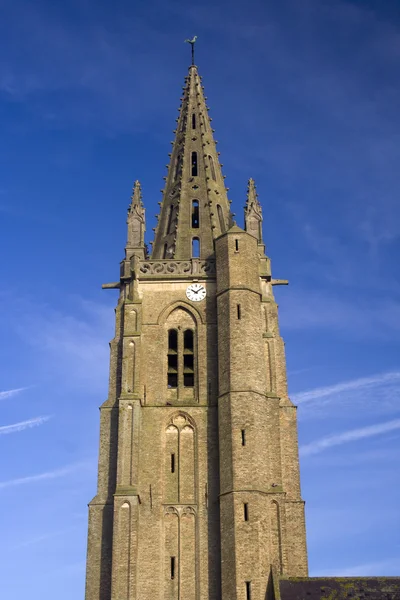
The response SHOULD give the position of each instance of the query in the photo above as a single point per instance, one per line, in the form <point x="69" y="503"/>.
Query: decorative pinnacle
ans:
<point x="192" y="43"/>
<point x="136" y="198"/>
<point x="252" y="196"/>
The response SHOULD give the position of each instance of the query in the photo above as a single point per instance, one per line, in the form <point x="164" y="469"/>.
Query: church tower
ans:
<point x="198" y="481"/>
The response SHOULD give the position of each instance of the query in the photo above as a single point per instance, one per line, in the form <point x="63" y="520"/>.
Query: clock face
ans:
<point x="196" y="292"/>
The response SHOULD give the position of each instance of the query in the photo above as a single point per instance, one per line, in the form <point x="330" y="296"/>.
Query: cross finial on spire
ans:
<point x="192" y="43"/>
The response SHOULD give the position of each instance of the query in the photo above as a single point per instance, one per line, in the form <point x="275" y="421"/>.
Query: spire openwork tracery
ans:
<point x="195" y="208"/>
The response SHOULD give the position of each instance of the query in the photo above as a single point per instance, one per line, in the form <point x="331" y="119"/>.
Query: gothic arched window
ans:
<point x="193" y="121"/>
<point x="181" y="376"/>
<point x="180" y="358"/>
<point x="195" y="247"/>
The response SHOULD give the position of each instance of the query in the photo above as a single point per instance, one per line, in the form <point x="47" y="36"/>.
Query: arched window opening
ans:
<point x="221" y="219"/>
<point x="212" y="167"/>
<point x="169" y="221"/>
<point x="181" y="362"/>
<point x="172" y="358"/>
<point x="195" y="214"/>
<point x="188" y="340"/>
<point x="194" y="164"/>
<point x="195" y="247"/>
<point x="165" y="252"/>
<point x="177" y="166"/>
<point x="193" y="121"/>
<point x="172" y="567"/>
<point x="188" y="358"/>
<point x="248" y="590"/>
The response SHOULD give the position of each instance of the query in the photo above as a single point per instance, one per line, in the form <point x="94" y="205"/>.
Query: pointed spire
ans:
<point x="136" y="223"/>
<point x="195" y="209"/>
<point x="253" y="212"/>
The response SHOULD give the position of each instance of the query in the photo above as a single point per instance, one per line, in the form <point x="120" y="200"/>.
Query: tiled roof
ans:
<point x="340" y="588"/>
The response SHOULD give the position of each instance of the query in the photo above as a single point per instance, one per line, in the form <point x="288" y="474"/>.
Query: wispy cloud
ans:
<point x="348" y="436"/>
<point x="355" y="384"/>
<point x="10" y="393"/>
<point x="372" y="318"/>
<point x="378" y="394"/>
<point x="44" y="476"/>
<point x="70" y="343"/>
<point x="22" y="425"/>
<point x="43" y="538"/>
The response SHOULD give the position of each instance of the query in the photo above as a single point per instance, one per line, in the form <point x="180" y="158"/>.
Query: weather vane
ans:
<point x="192" y="43"/>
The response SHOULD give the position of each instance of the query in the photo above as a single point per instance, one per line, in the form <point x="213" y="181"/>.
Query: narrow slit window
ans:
<point x="172" y="567"/>
<point x="237" y="245"/>
<point x="195" y="214"/>
<point x="212" y="167"/>
<point x="194" y="164"/>
<point x="177" y="166"/>
<point x="195" y="248"/>
<point x="188" y="358"/>
<point x="169" y="222"/>
<point x="248" y="590"/>
<point x="172" y="463"/>
<point x="246" y="511"/>
<point x="243" y="437"/>
<point x="193" y="121"/>
<point x="165" y="252"/>
<point x="172" y="376"/>
<point x="239" y="311"/>
<point x="221" y="219"/>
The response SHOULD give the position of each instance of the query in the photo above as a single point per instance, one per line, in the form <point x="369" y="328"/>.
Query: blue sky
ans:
<point x="304" y="97"/>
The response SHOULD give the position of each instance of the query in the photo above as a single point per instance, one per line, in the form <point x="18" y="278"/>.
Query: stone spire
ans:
<point x="136" y="224"/>
<point x="195" y="209"/>
<point x="253" y="213"/>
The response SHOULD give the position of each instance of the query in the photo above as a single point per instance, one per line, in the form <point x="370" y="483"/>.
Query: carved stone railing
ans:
<point x="178" y="269"/>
